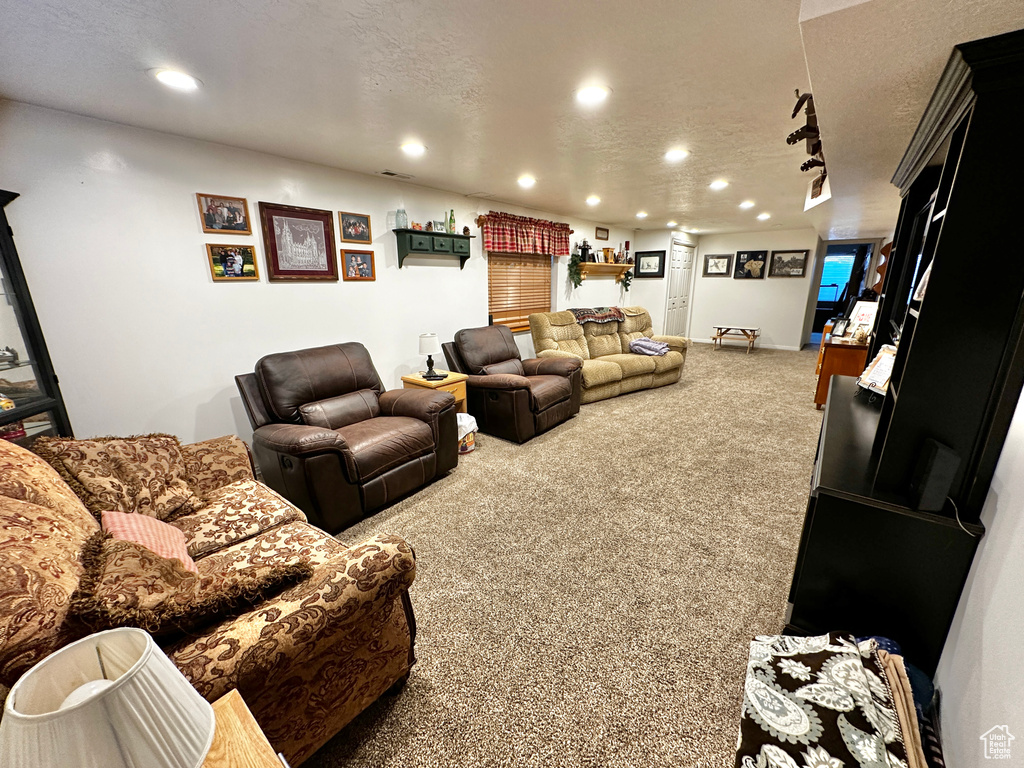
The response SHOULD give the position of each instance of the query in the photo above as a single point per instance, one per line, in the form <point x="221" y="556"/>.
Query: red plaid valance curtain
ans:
<point x="505" y="233"/>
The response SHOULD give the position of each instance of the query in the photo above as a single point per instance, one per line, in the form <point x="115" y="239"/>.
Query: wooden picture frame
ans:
<point x="232" y="263"/>
<point x="788" y="264"/>
<point x="357" y="265"/>
<point x="354" y="227"/>
<point x="717" y="264"/>
<point x="649" y="264"/>
<point x="750" y="265"/>
<point x="298" y="243"/>
<point x="601" y="233"/>
<point x="223" y="214"/>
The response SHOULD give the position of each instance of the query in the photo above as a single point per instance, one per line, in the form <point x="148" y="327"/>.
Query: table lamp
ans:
<point x="430" y="345"/>
<point x="110" y="700"/>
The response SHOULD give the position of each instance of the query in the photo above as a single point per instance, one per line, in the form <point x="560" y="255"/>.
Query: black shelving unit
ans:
<point x="27" y="378"/>
<point x="869" y="562"/>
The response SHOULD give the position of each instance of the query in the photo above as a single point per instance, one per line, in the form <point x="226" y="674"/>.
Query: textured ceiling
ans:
<point x="488" y="87"/>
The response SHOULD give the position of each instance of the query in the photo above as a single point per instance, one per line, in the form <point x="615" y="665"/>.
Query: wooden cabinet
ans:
<point x="413" y="242"/>
<point x="238" y="741"/>
<point x="869" y="561"/>
<point x="454" y="383"/>
<point x="838" y="357"/>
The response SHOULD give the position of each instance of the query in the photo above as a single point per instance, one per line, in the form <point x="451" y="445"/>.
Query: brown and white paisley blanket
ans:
<point x="598" y="315"/>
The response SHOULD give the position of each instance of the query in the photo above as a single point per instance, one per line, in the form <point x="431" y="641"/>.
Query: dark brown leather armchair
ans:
<point x="509" y="397"/>
<point x="329" y="439"/>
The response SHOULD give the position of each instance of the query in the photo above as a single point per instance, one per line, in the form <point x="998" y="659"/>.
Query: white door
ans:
<point x="680" y="273"/>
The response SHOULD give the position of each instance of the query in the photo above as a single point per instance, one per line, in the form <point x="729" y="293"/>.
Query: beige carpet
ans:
<point x="586" y="599"/>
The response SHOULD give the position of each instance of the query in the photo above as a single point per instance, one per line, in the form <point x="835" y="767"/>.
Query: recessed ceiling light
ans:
<point x="413" y="149"/>
<point x="692" y="230"/>
<point x="593" y="200"/>
<point x="747" y="204"/>
<point x="642" y="215"/>
<point x="763" y="216"/>
<point x="675" y="155"/>
<point x="592" y="95"/>
<point x="719" y="184"/>
<point x="179" y="81"/>
<point x="672" y="224"/>
<point x="526" y="181"/>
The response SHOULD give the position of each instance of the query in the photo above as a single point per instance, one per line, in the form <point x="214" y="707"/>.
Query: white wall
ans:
<point x="777" y="305"/>
<point x="142" y="339"/>
<point x="981" y="673"/>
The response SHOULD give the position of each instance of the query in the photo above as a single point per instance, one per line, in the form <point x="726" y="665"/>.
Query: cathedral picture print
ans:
<point x="298" y="242"/>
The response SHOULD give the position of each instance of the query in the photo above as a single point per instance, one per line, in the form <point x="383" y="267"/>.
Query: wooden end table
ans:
<point x="238" y="741"/>
<point x="734" y="332"/>
<point x="454" y="383"/>
<point x="840" y="357"/>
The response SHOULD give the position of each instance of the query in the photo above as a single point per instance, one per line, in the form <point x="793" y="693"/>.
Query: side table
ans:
<point x="839" y="357"/>
<point x="454" y="383"/>
<point x="238" y="741"/>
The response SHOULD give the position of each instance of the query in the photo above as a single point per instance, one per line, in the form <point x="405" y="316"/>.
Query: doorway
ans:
<point x="843" y="274"/>
<point x="680" y="275"/>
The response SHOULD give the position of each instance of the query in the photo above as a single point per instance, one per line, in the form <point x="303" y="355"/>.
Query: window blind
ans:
<point x="518" y="284"/>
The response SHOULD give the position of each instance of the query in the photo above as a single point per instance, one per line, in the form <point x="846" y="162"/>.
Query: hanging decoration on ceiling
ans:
<point x="810" y="133"/>
<point x="505" y="233"/>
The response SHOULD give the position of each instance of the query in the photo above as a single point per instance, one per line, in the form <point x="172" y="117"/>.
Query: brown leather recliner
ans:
<point x="329" y="439"/>
<point x="509" y="397"/>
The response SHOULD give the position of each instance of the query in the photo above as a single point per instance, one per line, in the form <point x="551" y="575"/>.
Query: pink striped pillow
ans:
<point x="155" y="535"/>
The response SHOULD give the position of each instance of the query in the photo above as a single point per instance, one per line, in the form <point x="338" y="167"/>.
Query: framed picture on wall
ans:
<point x="717" y="264"/>
<point x="232" y="262"/>
<point x="649" y="264"/>
<point x="223" y="215"/>
<point x="299" y="242"/>
<point x="601" y="233"/>
<point x="357" y="265"/>
<point x="355" y="227"/>
<point x="750" y="265"/>
<point x="788" y="264"/>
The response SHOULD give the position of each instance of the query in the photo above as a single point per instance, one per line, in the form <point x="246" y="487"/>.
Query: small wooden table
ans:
<point x="454" y="383"/>
<point x="734" y="332"/>
<point x="238" y="741"/>
<point x="839" y="357"/>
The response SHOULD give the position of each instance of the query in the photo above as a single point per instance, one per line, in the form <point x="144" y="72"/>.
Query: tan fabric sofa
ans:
<point x="306" y="661"/>
<point x="609" y="368"/>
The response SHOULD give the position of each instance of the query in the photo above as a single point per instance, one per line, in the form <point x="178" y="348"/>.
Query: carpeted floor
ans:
<point x="586" y="599"/>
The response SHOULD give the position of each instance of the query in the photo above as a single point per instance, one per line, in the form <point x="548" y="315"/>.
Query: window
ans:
<point x="518" y="284"/>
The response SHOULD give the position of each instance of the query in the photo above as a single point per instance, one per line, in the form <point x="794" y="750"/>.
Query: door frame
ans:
<point x="689" y="291"/>
<point x="819" y="265"/>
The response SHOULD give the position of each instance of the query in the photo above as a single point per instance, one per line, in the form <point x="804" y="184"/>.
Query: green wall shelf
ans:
<point x="414" y="242"/>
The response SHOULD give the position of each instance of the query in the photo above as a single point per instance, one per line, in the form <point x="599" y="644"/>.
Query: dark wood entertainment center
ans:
<point x="868" y="561"/>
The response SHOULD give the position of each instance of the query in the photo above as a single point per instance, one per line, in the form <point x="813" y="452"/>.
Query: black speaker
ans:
<point x="933" y="476"/>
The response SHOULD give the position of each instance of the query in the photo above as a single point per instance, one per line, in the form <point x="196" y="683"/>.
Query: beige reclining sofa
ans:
<point x="609" y="368"/>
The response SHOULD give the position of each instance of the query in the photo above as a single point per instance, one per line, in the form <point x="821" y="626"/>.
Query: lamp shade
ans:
<point x="430" y="344"/>
<point x="125" y="706"/>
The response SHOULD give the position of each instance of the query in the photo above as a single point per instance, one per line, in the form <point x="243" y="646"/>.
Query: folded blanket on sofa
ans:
<point x="645" y="346"/>
<point x="598" y="315"/>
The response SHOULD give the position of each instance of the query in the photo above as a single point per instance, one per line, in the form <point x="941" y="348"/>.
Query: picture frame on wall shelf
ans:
<point x="355" y="227"/>
<point x="232" y="263"/>
<point x="750" y="265"/>
<point x="788" y="264"/>
<point x="601" y="233"/>
<point x="357" y="265"/>
<point x="649" y="264"/>
<point x="440" y="226"/>
<point x="223" y="214"/>
<point x="298" y="243"/>
<point x="717" y="264"/>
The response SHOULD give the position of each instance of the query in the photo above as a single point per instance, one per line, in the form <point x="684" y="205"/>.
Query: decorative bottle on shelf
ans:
<point x="451" y="222"/>
<point x="401" y="219"/>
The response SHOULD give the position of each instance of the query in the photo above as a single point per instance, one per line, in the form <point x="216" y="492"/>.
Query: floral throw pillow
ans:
<point x="126" y="584"/>
<point x="144" y="474"/>
<point x="817" y="702"/>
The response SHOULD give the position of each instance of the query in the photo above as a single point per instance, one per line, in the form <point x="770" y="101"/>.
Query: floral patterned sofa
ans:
<point x="306" y="661"/>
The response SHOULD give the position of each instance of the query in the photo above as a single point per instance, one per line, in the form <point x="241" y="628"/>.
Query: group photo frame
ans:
<point x="355" y="227"/>
<point x="357" y="265"/>
<point x="223" y="214"/>
<point x="232" y="263"/>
